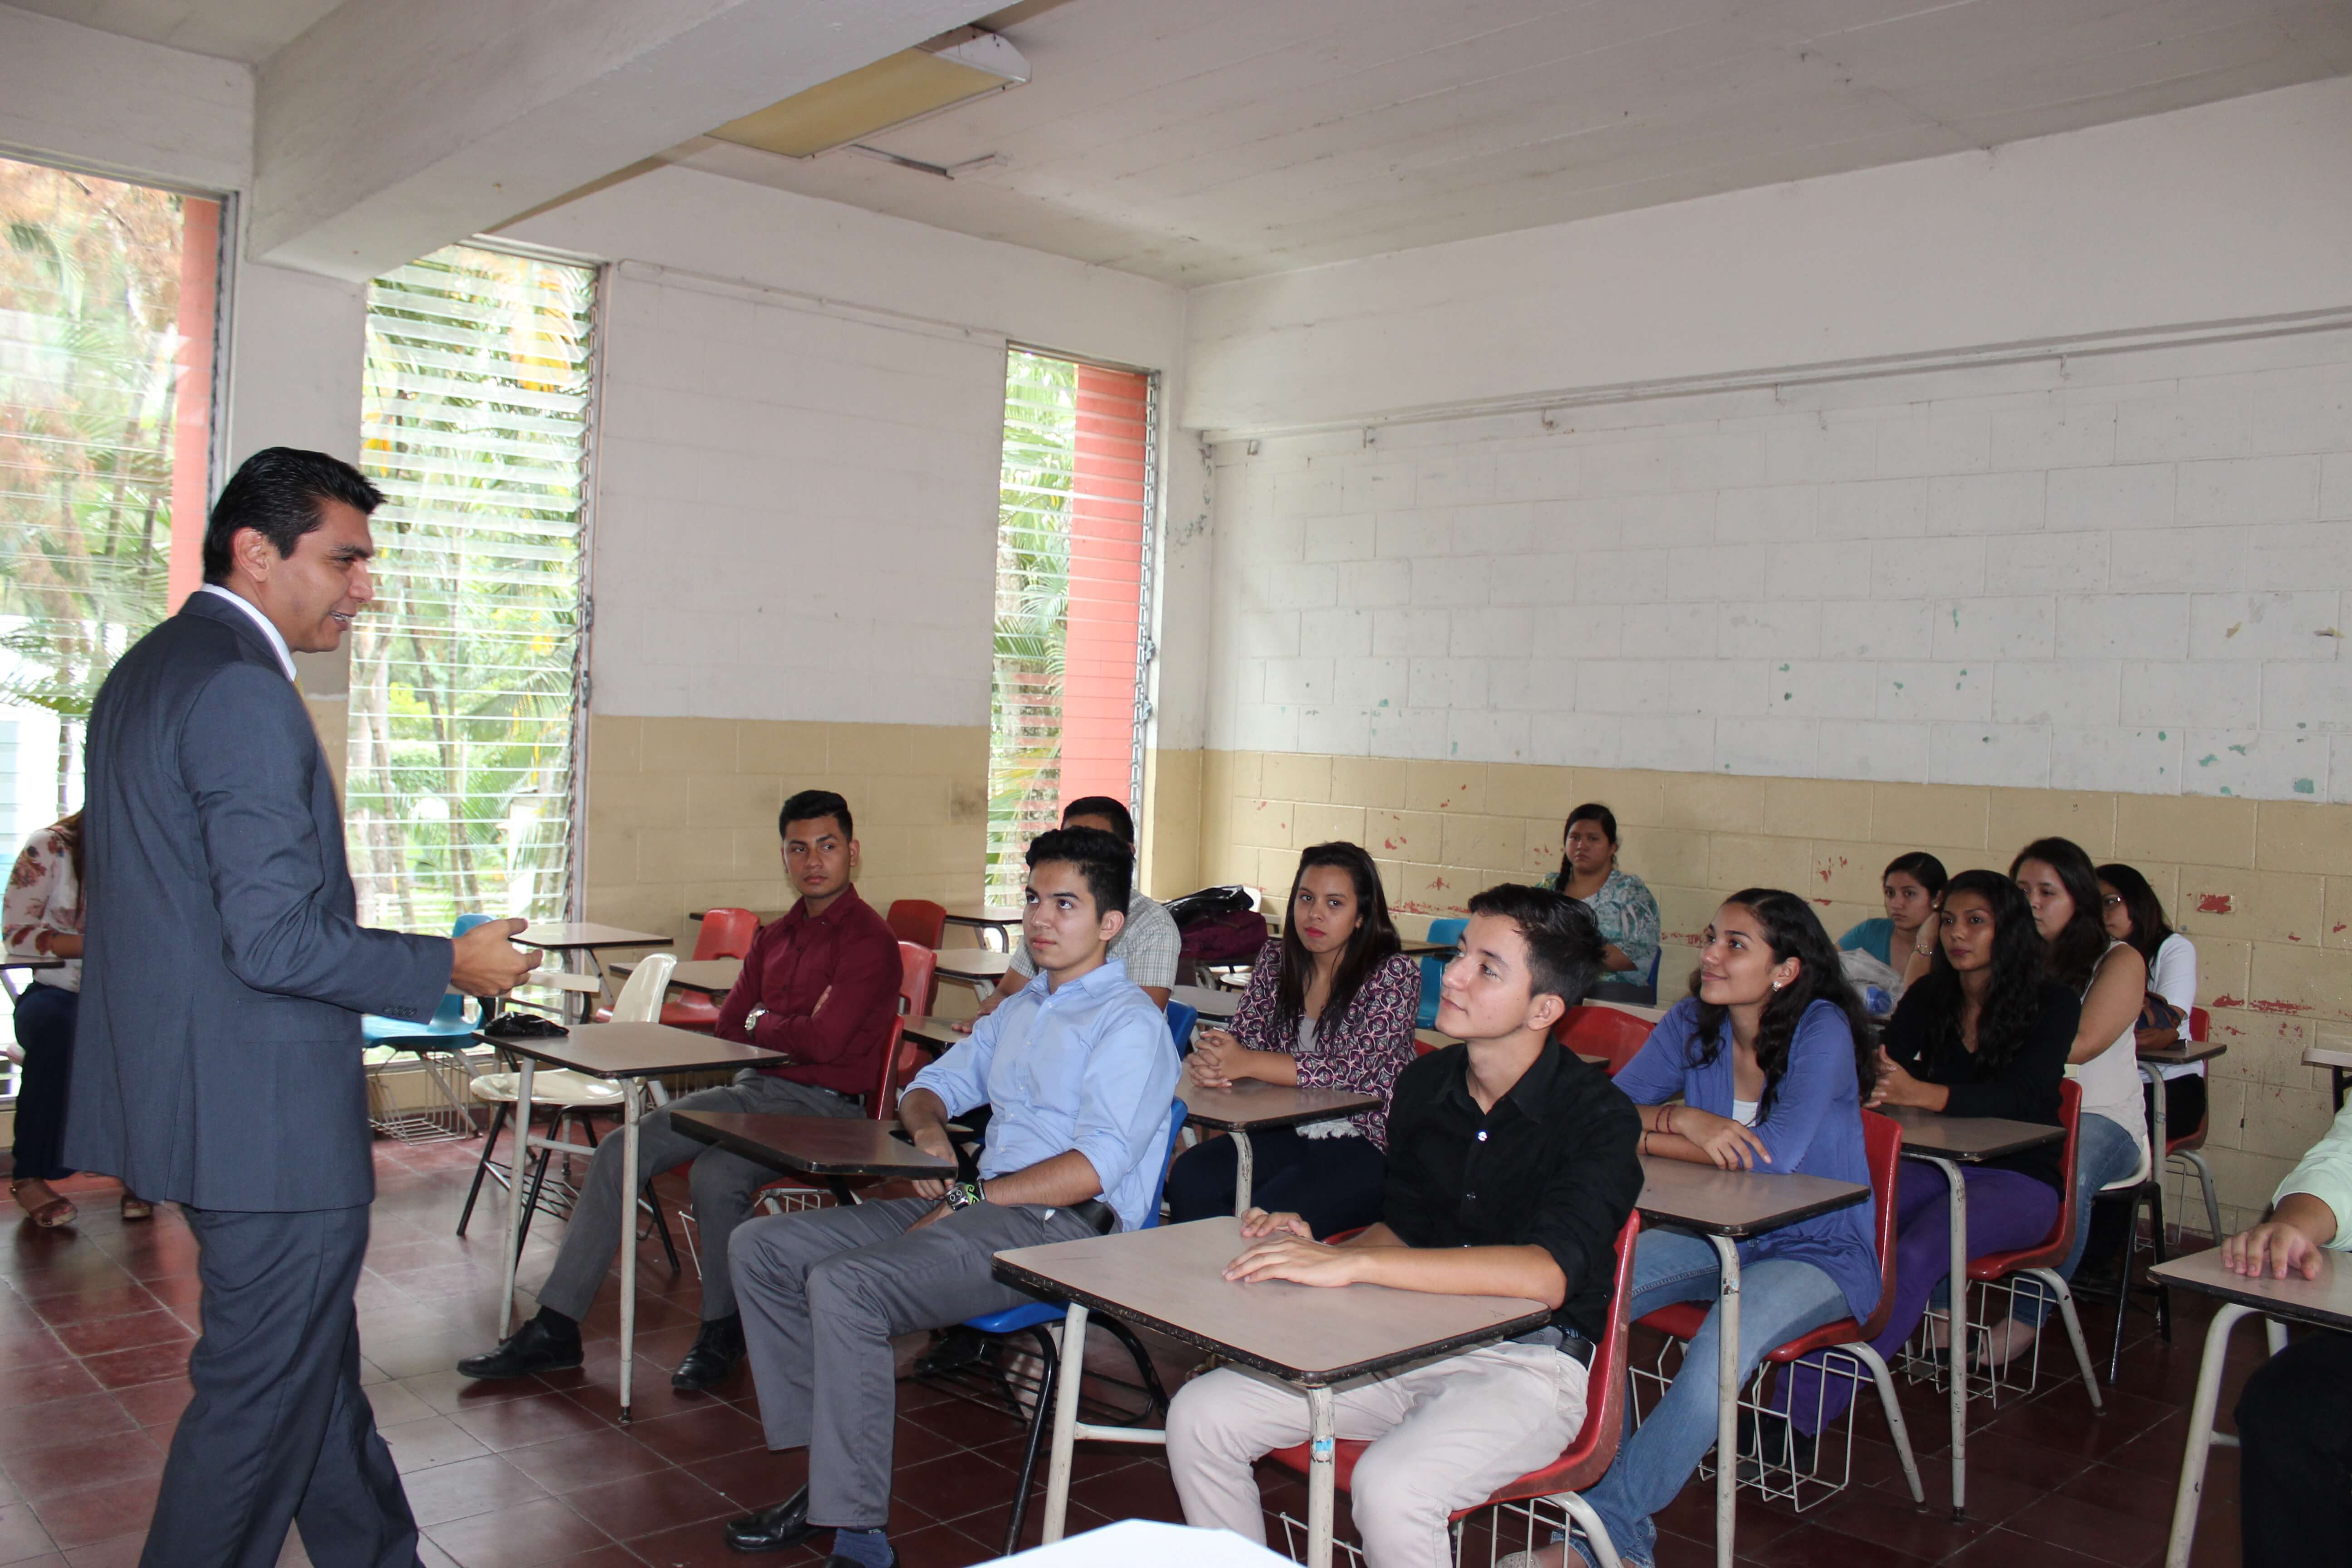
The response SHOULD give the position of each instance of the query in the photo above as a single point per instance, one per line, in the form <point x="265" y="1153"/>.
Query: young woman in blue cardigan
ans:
<point x="1769" y="1053"/>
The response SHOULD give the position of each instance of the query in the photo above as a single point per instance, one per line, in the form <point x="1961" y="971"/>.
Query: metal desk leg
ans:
<point x="2154" y="1081"/>
<point x="516" y="1194"/>
<point x="1073" y="1332"/>
<point x="2200" y="1435"/>
<point x="1958" y="1336"/>
<point x="1322" y="1481"/>
<point x="1727" y="1398"/>
<point x="1242" y="1170"/>
<point x="633" y="1093"/>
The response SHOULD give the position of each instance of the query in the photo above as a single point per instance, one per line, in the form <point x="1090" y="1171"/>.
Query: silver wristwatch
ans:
<point x="751" y="1019"/>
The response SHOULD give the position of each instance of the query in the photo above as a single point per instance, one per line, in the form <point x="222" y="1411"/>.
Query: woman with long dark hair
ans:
<point x="1910" y="885"/>
<point x="2111" y="977"/>
<point x="1330" y="1004"/>
<point x="1983" y="1032"/>
<point x="2135" y="914"/>
<point x="1621" y="901"/>
<point x="1768" y="1055"/>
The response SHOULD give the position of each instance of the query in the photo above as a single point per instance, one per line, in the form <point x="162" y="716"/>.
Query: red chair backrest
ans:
<point x="2052" y="1248"/>
<point x="1601" y="1031"/>
<point x="917" y="921"/>
<point x="726" y="933"/>
<point x="919" y="978"/>
<point x="901" y="1060"/>
<point x="2201" y="1024"/>
<point x="1588" y="1456"/>
<point x="1882" y="1151"/>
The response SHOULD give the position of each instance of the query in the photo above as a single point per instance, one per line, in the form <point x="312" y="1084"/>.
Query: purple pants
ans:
<point x="2006" y="1211"/>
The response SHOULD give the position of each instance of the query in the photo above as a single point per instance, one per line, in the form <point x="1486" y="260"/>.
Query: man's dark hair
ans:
<point x="277" y="492"/>
<point x="1564" y="942"/>
<point x="811" y="803"/>
<point x="1103" y="805"/>
<point x="1107" y="864"/>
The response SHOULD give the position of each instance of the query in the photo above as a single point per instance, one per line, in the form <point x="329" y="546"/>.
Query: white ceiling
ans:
<point x="247" y="30"/>
<point x="1221" y="139"/>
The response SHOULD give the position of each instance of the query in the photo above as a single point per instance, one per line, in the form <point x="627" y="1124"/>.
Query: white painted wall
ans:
<point x="2236" y="209"/>
<point x="2121" y="573"/>
<point x="113" y="104"/>
<point x="799" y="443"/>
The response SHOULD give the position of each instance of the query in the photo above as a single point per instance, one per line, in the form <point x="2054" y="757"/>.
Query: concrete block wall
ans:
<point x="1788" y="634"/>
<point x="2263" y="889"/>
<point x="682" y="812"/>
<point x="2119" y="573"/>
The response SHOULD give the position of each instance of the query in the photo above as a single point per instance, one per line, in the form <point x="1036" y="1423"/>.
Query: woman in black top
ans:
<point x="1984" y="1033"/>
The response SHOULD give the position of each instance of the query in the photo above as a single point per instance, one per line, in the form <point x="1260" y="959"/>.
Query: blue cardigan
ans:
<point x="1814" y="1129"/>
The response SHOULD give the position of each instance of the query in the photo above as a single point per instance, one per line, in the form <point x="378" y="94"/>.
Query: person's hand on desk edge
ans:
<point x="486" y="962"/>
<point x="1283" y="1247"/>
<point x="2288" y="1242"/>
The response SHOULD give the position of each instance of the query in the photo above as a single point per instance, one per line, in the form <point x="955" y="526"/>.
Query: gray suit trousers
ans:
<point x="823" y="1294"/>
<point x="722" y="1185"/>
<point x="280" y="1431"/>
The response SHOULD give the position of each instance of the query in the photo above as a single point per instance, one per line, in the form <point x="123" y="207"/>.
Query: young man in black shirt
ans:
<point x="1512" y="1166"/>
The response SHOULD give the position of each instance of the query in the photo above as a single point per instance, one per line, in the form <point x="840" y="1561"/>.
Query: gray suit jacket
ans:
<point x="218" y="1057"/>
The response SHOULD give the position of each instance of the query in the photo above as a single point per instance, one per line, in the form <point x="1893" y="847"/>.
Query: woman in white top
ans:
<point x="2135" y="914"/>
<point x="2111" y="1147"/>
<point x="43" y="920"/>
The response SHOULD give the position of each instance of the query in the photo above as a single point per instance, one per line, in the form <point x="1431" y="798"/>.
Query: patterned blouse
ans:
<point x="1362" y="1049"/>
<point x="1628" y="916"/>
<point x="44" y="898"/>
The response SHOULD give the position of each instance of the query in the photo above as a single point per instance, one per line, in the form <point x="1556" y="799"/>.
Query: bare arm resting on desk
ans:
<point x="1283" y="1248"/>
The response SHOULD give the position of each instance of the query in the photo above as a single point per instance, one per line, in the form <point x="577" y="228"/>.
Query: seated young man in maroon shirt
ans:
<point x="821" y="985"/>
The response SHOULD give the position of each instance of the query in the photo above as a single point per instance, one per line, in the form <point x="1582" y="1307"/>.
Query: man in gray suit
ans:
<point x="217" y="1062"/>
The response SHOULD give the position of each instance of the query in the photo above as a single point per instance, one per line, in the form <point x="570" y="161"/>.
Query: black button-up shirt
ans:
<point x="1555" y="1165"/>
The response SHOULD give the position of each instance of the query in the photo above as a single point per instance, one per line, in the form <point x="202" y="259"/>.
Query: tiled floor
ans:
<point x="96" y="1323"/>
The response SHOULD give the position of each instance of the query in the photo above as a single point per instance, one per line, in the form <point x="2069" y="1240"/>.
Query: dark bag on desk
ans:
<point x="1207" y="903"/>
<point x="2155" y="1012"/>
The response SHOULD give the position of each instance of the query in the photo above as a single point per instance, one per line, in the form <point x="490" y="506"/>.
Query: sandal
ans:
<point x="136" y="1207"/>
<point x="53" y="1214"/>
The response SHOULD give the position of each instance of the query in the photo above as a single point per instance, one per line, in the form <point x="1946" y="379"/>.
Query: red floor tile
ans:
<point x="523" y="1536"/>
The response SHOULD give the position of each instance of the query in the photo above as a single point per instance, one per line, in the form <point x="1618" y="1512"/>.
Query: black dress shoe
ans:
<point x="772" y="1528"/>
<point x="716" y="1351"/>
<point x="532" y="1347"/>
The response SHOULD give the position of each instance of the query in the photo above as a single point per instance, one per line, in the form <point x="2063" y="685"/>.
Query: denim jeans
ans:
<point x="1778" y="1300"/>
<point x="2104" y="1152"/>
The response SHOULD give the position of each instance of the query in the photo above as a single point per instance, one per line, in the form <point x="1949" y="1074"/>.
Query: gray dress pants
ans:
<point x="824" y="1292"/>
<point x="722" y="1185"/>
<point x="280" y="1431"/>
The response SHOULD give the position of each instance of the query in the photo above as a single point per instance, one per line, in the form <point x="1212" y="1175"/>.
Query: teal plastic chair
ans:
<point x="448" y="1033"/>
<point x="1433" y="970"/>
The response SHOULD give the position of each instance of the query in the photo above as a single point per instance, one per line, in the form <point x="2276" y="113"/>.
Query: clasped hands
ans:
<point x="1283" y="1247"/>
<point x="1217" y="1058"/>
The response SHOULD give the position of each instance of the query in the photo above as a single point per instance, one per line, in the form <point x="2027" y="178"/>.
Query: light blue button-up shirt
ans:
<point x="1089" y="1067"/>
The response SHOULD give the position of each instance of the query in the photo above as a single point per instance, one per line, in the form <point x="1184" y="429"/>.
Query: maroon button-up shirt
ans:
<point x="793" y="963"/>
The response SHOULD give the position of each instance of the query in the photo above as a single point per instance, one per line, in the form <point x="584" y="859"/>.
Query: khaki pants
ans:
<point x="1444" y="1436"/>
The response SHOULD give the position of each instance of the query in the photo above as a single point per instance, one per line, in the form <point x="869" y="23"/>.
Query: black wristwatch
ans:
<point x="964" y="1195"/>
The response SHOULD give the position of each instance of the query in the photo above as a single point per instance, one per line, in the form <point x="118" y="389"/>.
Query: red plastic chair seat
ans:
<point x="692" y="1011"/>
<point x="1678" y="1319"/>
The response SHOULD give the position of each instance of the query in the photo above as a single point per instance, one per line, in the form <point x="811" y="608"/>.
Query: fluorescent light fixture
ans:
<point x="954" y="68"/>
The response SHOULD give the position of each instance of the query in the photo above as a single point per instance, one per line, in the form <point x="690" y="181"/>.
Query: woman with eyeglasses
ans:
<point x="2111" y="1146"/>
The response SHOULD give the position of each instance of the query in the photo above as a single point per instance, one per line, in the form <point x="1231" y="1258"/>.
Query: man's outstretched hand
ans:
<point x="484" y="962"/>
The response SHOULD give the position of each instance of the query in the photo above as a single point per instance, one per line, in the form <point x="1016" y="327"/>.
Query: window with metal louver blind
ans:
<point x="466" y="689"/>
<point x="1073" y="592"/>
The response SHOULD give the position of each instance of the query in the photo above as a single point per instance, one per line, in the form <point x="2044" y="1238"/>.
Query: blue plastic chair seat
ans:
<point x="1433" y="970"/>
<point x="1013" y="1320"/>
<point x="448" y="1019"/>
